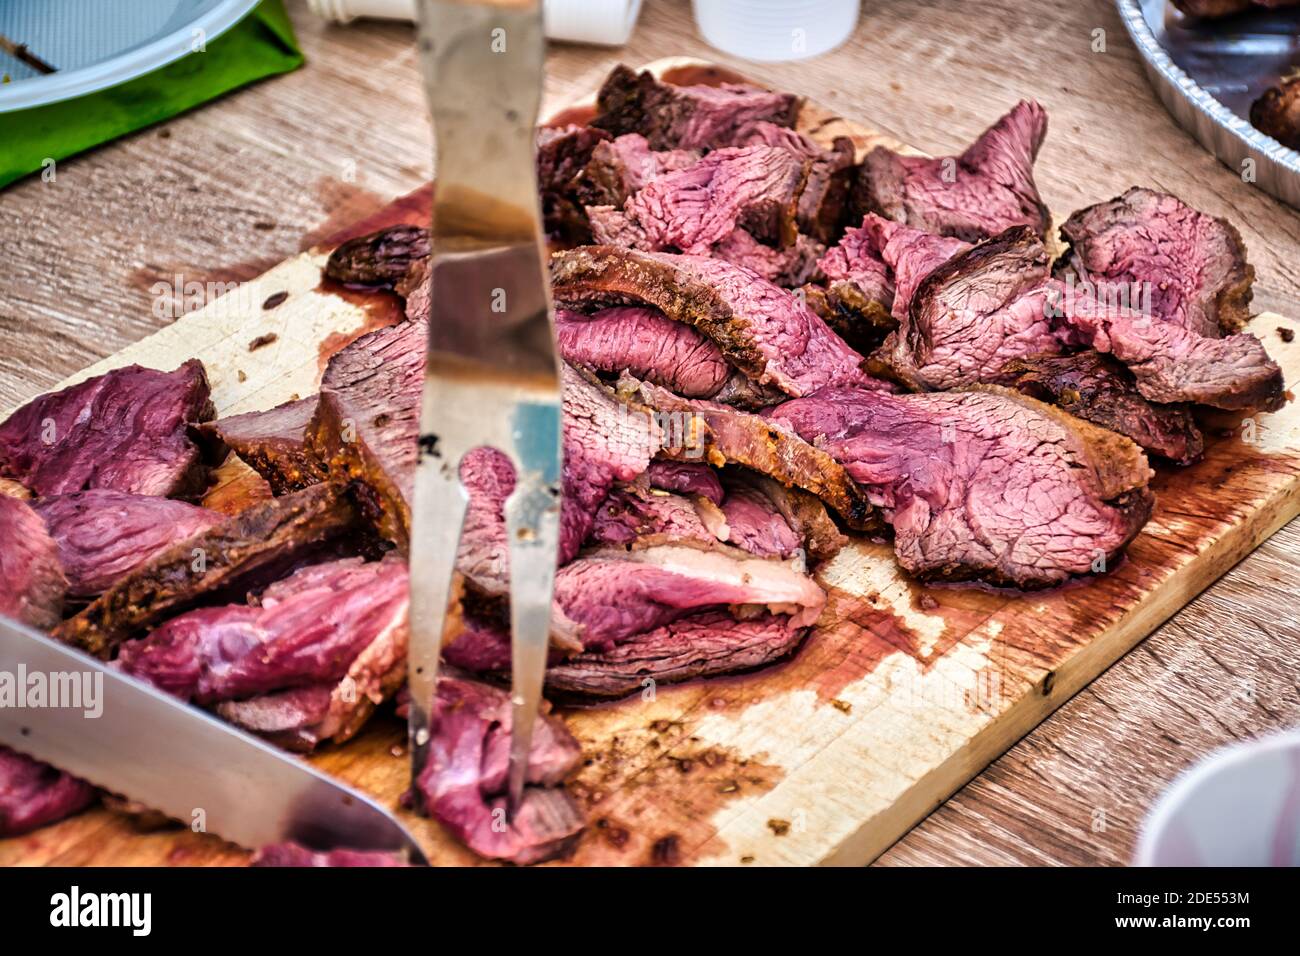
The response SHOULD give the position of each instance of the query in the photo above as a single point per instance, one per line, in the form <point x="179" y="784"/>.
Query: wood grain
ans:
<point x="241" y="181"/>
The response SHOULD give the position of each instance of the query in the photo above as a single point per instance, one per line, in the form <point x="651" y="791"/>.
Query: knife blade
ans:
<point x="120" y="734"/>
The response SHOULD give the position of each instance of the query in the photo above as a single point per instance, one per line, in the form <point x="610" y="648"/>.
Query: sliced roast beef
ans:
<point x="645" y="342"/>
<point x="124" y="430"/>
<point x="102" y="536"/>
<point x="686" y="117"/>
<point x="382" y="259"/>
<point x="1152" y="247"/>
<point x="768" y="448"/>
<point x="987" y="189"/>
<point x="34" y="794"/>
<point x="366" y="427"/>
<point x="823" y="202"/>
<point x="975" y="313"/>
<point x="987" y="484"/>
<point x="708" y="644"/>
<point x="273" y="443"/>
<point x="788" y="267"/>
<point x="687" y="478"/>
<point x="32" y="581"/>
<point x="620" y="167"/>
<point x="562" y="153"/>
<point x="239" y="554"/>
<point x="295" y="854"/>
<point x="638" y="516"/>
<point x="755" y="188"/>
<point x="1276" y="112"/>
<point x="768" y="333"/>
<point x="332" y="635"/>
<point x="910" y="255"/>
<point x="1099" y="389"/>
<point x="856" y="276"/>
<point x="802" y="511"/>
<point x="463" y="784"/>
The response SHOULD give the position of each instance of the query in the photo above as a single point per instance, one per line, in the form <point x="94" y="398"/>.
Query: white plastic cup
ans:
<point x="600" y="22"/>
<point x="771" y="30"/>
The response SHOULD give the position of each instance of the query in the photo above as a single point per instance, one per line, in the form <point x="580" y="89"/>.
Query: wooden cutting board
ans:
<point x="898" y="697"/>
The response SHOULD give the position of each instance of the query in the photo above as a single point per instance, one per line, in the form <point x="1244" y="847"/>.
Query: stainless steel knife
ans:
<point x="133" y="740"/>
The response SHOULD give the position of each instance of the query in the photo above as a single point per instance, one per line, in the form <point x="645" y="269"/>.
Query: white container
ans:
<point x="772" y="30"/>
<point x="1238" y="807"/>
<point x="601" y="22"/>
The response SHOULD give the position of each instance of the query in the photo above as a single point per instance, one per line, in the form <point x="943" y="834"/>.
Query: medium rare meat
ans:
<point x="702" y="645"/>
<point x="562" y="154"/>
<point x="637" y="517"/>
<point x="765" y="331"/>
<point x="987" y="189"/>
<point x="239" y="554"/>
<point x="102" y="536"/>
<point x="910" y="255"/>
<point x="755" y="188"/>
<point x="1099" y="389"/>
<point x="823" y="201"/>
<point x="740" y="438"/>
<point x="620" y="167"/>
<point x="687" y="478"/>
<point x="788" y="267"/>
<point x="32" y="581"/>
<point x="975" y="313"/>
<point x="1179" y="332"/>
<point x="686" y="117"/>
<point x="124" y="430"/>
<point x="381" y="259"/>
<point x="366" y="427"/>
<point x="987" y="484"/>
<point x="857" y="278"/>
<point x="332" y="635"/>
<point x="273" y="443"/>
<point x="802" y="511"/>
<point x="463" y="784"/>
<point x="33" y="794"/>
<point x="1145" y="243"/>
<point x="295" y="854"/>
<point x="645" y="342"/>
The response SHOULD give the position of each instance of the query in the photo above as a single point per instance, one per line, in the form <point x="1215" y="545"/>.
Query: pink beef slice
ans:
<point x="986" y="485"/>
<point x="687" y="478"/>
<point x="646" y="342"/>
<point x="910" y="255"/>
<point x="707" y="644"/>
<point x="125" y="430"/>
<point x="34" y="794"/>
<point x="621" y="167"/>
<point x="463" y="785"/>
<point x="823" y="201"/>
<point x="1194" y="265"/>
<point x="686" y="117"/>
<point x="102" y="536"/>
<point x="987" y="189"/>
<point x="307" y="661"/>
<point x="788" y="267"/>
<point x="977" y="312"/>
<point x="32" y="581"/>
<point x="1165" y="289"/>
<point x="295" y="854"/>
<point x="770" y="334"/>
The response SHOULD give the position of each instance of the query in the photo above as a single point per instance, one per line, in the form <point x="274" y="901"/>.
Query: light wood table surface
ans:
<point x="223" y="193"/>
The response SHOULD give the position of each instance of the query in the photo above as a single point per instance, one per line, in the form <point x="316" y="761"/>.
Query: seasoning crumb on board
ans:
<point x="241" y="375"/>
<point x="1285" y="334"/>
<point x="261" y="340"/>
<point x="843" y="706"/>
<point x="276" y="298"/>
<point x="779" y="827"/>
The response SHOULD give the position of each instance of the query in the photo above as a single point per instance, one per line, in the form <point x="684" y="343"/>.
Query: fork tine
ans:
<point x="533" y="531"/>
<point x="437" y="517"/>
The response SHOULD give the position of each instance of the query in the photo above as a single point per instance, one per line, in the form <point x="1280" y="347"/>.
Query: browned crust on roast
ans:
<point x="352" y="462"/>
<point x="862" y="322"/>
<point x="1277" y="112"/>
<point x="607" y="275"/>
<point x="775" y="453"/>
<point x="286" y="464"/>
<point x="254" y="538"/>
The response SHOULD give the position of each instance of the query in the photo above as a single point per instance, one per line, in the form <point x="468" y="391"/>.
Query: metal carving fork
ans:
<point x="491" y="376"/>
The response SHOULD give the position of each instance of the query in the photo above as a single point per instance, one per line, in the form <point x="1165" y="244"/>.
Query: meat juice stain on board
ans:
<point x="382" y="308"/>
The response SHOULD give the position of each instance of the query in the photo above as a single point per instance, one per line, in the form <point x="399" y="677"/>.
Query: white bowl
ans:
<point x="96" y="44"/>
<point x="1238" y="807"/>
